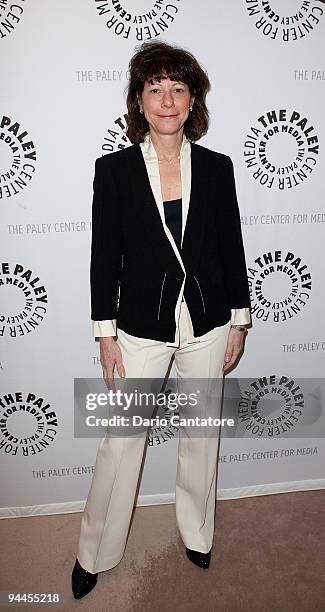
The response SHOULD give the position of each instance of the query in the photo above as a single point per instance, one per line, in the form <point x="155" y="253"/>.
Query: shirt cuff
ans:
<point x="240" y="316"/>
<point x="102" y="329"/>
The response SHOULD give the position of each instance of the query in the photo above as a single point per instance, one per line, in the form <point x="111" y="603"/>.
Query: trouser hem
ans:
<point x="94" y="568"/>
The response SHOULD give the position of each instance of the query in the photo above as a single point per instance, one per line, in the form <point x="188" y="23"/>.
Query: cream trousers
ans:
<point x="106" y="518"/>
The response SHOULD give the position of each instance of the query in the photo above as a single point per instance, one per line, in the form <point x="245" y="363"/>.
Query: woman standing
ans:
<point x="168" y="280"/>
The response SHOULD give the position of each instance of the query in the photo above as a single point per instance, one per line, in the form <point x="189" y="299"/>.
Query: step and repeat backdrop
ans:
<point x="64" y="72"/>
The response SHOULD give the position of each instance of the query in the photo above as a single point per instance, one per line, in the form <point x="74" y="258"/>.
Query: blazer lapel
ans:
<point x="147" y="208"/>
<point x="145" y="177"/>
<point x="198" y="202"/>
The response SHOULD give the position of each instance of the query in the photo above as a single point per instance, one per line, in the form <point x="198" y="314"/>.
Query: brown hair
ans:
<point x="155" y="60"/>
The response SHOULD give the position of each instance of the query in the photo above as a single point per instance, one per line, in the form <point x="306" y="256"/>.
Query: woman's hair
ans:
<point x="155" y="60"/>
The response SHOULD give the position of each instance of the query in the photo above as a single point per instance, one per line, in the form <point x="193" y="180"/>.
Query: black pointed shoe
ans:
<point x="82" y="581"/>
<point x="199" y="558"/>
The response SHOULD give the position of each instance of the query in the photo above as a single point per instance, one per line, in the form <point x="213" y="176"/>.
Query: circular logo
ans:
<point x="115" y="137"/>
<point x="145" y="22"/>
<point x="10" y="16"/>
<point x="28" y="424"/>
<point x="17" y="157"/>
<point x="280" y="286"/>
<point x="271" y="406"/>
<point x="281" y="150"/>
<point x="24" y="300"/>
<point x="285" y="20"/>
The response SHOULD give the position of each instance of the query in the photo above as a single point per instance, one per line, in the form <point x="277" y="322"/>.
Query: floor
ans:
<point x="268" y="555"/>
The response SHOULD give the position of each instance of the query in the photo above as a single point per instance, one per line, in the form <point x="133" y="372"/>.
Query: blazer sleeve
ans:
<point x="232" y="248"/>
<point x="106" y="251"/>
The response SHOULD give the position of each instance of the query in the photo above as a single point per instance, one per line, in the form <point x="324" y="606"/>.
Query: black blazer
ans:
<point x="135" y="275"/>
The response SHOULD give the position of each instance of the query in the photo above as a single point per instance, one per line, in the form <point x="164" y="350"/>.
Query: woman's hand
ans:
<point x="111" y="356"/>
<point x="234" y="348"/>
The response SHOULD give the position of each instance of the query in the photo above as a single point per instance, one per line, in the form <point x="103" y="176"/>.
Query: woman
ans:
<point x="168" y="279"/>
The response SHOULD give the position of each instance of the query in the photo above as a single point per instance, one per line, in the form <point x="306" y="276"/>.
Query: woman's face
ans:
<point x="166" y="105"/>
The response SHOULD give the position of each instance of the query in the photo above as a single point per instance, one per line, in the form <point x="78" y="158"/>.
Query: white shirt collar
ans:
<point x="149" y="151"/>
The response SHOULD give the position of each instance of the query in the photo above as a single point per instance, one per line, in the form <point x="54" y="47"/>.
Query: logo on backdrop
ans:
<point x="17" y="157"/>
<point x="28" y="424"/>
<point x="271" y="406"/>
<point x="150" y="19"/>
<point x="286" y="21"/>
<point x="24" y="300"/>
<point x="10" y="16"/>
<point x="166" y="429"/>
<point x="281" y="150"/>
<point x="115" y="137"/>
<point x="280" y="286"/>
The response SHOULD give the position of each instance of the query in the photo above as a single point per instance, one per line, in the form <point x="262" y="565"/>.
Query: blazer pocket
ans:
<point x="201" y="293"/>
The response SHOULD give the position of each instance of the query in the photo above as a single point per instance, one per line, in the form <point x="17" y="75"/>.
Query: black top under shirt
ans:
<point x="173" y="219"/>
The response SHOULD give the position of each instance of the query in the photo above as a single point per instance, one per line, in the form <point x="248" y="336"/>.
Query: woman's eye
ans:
<point x="178" y="89"/>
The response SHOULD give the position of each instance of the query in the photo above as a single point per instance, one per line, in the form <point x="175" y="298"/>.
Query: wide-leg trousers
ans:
<point x="106" y="518"/>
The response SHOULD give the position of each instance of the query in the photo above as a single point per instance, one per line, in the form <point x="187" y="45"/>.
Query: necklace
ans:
<point x="169" y="161"/>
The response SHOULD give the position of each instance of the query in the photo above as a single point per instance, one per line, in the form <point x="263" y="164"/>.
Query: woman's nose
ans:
<point x="167" y="99"/>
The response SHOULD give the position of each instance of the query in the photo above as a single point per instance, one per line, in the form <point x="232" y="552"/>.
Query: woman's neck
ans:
<point x="167" y="145"/>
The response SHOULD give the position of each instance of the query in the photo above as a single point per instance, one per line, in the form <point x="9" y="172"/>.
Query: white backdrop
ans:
<point x="63" y="76"/>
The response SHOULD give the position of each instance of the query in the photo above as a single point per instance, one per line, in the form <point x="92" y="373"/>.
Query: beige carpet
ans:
<point x="268" y="555"/>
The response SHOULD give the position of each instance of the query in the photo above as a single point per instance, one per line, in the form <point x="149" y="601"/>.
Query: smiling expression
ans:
<point x="166" y="105"/>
